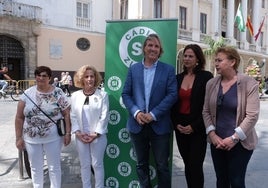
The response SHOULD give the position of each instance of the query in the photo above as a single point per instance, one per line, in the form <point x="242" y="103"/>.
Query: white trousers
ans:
<point x="36" y="153"/>
<point x="92" y="155"/>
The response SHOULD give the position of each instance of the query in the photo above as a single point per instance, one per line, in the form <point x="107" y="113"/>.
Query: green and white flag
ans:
<point x="239" y="19"/>
<point x="124" y="41"/>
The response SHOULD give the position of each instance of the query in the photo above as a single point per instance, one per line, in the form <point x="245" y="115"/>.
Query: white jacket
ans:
<point x="97" y="113"/>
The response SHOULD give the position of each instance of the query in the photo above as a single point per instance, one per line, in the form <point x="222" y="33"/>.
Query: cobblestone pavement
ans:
<point x="257" y="174"/>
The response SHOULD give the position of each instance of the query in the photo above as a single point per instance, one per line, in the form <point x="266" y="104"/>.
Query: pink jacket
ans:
<point x="247" y="109"/>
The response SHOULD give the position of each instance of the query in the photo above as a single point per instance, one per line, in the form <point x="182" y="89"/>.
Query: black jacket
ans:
<point x="197" y="100"/>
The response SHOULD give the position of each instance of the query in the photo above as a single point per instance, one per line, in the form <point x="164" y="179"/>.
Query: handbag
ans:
<point x="61" y="125"/>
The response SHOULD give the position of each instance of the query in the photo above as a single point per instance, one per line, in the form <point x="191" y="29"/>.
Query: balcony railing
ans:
<point x="187" y="35"/>
<point x="83" y="23"/>
<point x="9" y="8"/>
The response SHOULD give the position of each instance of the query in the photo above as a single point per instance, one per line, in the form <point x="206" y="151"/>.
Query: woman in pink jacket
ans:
<point x="230" y="112"/>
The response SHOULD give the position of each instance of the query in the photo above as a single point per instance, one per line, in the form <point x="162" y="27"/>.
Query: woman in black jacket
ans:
<point x="187" y="114"/>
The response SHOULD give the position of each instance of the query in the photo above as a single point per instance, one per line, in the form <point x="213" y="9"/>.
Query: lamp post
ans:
<point x="263" y="67"/>
<point x="263" y="71"/>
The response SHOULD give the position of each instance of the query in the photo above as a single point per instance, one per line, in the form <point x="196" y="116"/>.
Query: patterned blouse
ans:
<point x="37" y="127"/>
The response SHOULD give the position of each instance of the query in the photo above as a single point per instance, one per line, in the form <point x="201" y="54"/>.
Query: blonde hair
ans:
<point x="80" y="74"/>
<point x="231" y="53"/>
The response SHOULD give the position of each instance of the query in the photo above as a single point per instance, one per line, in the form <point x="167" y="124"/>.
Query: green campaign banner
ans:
<point x="124" y="41"/>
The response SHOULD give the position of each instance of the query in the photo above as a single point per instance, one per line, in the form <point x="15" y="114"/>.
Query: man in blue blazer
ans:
<point x="149" y="92"/>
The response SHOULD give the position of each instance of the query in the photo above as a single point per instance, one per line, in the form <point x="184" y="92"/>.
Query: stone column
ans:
<point x="146" y="7"/>
<point x="243" y="35"/>
<point x="230" y="21"/>
<point x="216" y="27"/>
<point x="196" y="18"/>
<point x="257" y="18"/>
<point x="244" y="7"/>
<point x="171" y="9"/>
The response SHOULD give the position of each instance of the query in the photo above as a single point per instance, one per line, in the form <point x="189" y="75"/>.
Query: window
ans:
<point x="263" y="4"/>
<point x="157" y="8"/>
<point x="124" y="9"/>
<point x="82" y="10"/>
<point x="83" y="44"/>
<point x="182" y="18"/>
<point x="83" y="14"/>
<point x="224" y="4"/>
<point x="203" y="23"/>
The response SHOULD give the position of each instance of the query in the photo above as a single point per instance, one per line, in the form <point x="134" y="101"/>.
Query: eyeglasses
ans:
<point x="220" y="100"/>
<point x="42" y="75"/>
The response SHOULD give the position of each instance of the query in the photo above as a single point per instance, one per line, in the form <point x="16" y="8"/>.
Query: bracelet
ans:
<point x="68" y="134"/>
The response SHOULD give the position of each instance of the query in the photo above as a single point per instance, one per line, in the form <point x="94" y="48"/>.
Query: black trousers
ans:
<point x="230" y="166"/>
<point x="192" y="148"/>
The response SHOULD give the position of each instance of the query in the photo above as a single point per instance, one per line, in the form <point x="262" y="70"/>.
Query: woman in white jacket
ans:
<point x="89" y="117"/>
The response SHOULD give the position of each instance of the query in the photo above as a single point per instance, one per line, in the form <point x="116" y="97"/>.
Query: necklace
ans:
<point x="89" y="93"/>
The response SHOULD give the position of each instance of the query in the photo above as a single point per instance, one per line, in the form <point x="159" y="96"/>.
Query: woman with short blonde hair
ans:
<point x="79" y="75"/>
<point x="89" y="116"/>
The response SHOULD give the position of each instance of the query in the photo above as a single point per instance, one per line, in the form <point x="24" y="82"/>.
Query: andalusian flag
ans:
<point x="239" y="19"/>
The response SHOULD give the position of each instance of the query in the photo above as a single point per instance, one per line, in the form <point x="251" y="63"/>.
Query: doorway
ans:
<point x="12" y="56"/>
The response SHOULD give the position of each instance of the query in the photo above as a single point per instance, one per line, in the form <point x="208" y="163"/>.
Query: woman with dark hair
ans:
<point x="38" y="133"/>
<point x="187" y="114"/>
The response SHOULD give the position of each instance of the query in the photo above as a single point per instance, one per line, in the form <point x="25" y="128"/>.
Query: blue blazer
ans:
<point x="162" y="98"/>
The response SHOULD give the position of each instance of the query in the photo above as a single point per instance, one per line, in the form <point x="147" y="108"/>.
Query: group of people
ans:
<point x="64" y="83"/>
<point x="223" y="109"/>
<point x="198" y="107"/>
<point x="85" y="115"/>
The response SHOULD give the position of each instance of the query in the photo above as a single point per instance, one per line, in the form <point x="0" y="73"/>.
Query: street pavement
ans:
<point x="10" y="177"/>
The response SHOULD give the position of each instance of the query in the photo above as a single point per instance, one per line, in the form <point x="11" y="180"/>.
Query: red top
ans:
<point x="185" y="96"/>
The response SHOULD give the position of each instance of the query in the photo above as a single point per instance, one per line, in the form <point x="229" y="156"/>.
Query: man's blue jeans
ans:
<point x="230" y="166"/>
<point x="160" y="145"/>
<point x="3" y="85"/>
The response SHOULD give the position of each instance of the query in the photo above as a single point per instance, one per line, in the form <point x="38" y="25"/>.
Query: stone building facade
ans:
<point x="18" y="44"/>
<point x="51" y="33"/>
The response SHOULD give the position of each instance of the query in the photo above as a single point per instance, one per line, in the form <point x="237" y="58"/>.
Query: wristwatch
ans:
<point x="234" y="139"/>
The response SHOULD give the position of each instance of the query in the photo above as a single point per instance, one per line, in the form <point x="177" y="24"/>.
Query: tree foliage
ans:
<point x="213" y="45"/>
